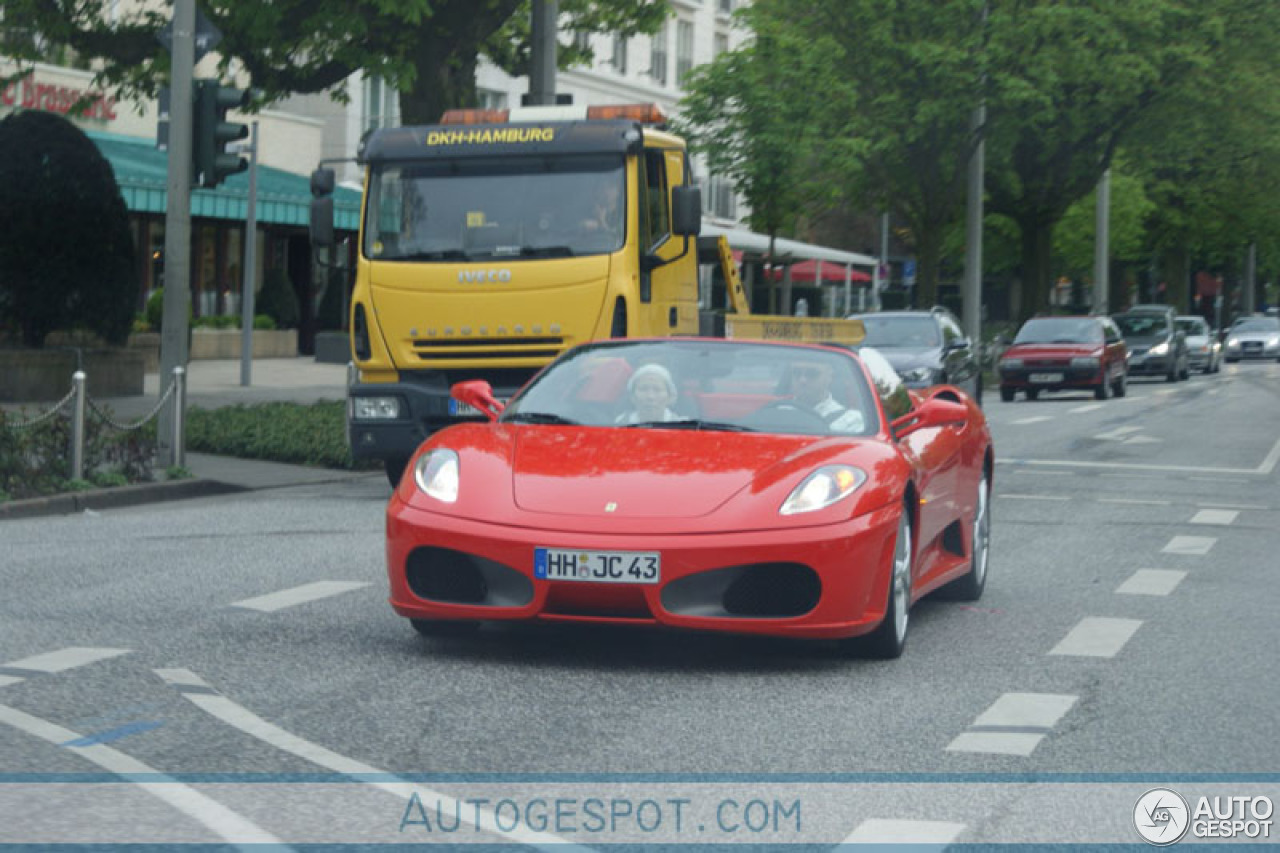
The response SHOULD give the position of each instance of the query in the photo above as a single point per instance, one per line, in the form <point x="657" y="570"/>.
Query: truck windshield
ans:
<point x="529" y="207"/>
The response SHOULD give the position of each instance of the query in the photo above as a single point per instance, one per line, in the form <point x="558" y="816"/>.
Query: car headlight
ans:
<point x="1087" y="362"/>
<point x="1233" y="343"/>
<point x="375" y="408"/>
<point x="436" y="473"/>
<point x="1011" y="363"/>
<point x="1273" y="341"/>
<point x="920" y="374"/>
<point x="1161" y="348"/>
<point x="822" y="488"/>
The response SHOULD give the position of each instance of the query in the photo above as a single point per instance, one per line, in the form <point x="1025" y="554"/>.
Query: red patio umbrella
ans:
<point x="806" y="272"/>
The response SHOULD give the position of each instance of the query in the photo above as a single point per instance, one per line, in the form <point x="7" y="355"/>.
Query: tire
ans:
<point x="1102" y="391"/>
<point x="444" y="627"/>
<point x="1033" y="393"/>
<point x="969" y="587"/>
<point x="1232" y="360"/>
<point x="1172" y="375"/>
<point x="888" y="640"/>
<point x="395" y="469"/>
<point x="977" y="391"/>
<point x="1007" y="394"/>
<point x="1186" y="371"/>
<point x="1122" y="384"/>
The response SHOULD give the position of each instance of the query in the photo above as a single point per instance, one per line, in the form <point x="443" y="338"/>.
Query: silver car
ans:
<point x="1254" y="337"/>
<point x="1204" y="350"/>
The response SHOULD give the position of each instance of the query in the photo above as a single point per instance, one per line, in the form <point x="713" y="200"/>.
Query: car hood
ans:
<point x="1051" y="350"/>
<point x="907" y="358"/>
<point x="649" y="473"/>
<point x="1254" y="336"/>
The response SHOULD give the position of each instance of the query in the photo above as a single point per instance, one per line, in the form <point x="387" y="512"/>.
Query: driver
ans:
<point x="811" y="387"/>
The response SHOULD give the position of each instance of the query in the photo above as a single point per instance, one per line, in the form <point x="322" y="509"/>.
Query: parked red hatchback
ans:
<point x="1054" y="353"/>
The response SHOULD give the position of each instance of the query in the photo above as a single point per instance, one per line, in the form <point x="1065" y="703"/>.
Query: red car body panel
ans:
<point x="706" y="500"/>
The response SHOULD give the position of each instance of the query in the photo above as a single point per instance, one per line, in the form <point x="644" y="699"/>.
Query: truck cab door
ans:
<point x="668" y="292"/>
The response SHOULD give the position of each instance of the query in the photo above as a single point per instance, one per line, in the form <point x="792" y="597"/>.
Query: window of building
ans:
<point x="684" y="50"/>
<point x="658" y="56"/>
<point x="582" y="41"/>
<point x="720" y="200"/>
<point x="721" y="44"/>
<point x="620" y="54"/>
<point x="726" y="6"/>
<point x="491" y="99"/>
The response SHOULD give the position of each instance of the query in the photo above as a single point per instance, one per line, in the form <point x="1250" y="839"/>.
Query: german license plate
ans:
<point x="466" y="410"/>
<point x="562" y="564"/>
<point x="1046" y="378"/>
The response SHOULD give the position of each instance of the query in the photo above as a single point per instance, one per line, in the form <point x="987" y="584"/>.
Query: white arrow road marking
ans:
<point x="877" y="831"/>
<point x="209" y="700"/>
<point x="1191" y="546"/>
<point x="1151" y="582"/>
<point x="1097" y="637"/>
<point x="298" y="595"/>
<point x="1215" y="516"/>
<point x="1143" y="439"/>
<point x="1014" y="724"/>
<point x="51" y="662"/>
<point x="214" y="816"/>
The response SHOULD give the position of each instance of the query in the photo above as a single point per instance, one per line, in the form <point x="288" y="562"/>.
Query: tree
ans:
<point x="426" y="48"/>
<point x="66" y="254"/>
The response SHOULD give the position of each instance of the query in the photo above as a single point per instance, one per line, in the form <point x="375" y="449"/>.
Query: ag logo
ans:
<point x="1161" y="817"/>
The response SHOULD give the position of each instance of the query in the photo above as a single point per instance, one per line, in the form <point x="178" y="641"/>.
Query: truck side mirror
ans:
<point x="322" y="183"/>
<point x="686" y="211"/>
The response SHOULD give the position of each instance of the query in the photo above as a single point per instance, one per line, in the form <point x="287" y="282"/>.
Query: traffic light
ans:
<point x="211" y="132"/>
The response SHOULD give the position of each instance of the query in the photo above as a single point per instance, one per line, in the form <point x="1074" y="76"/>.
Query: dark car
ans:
<point x="1056" y="353"/>
<point x="1156" y="345"/>
<point x="926" y="348"/>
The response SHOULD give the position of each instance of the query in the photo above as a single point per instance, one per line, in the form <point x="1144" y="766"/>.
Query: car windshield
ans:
<point x="889" y="332"/>
<point x="1258" y="324"/>
<point x="726" y="386"/>
<point x="1142" y="325"/>
<point x="1059" y="330"/>
<point x="480" y="209"/>
<point x="1193" y="326"/>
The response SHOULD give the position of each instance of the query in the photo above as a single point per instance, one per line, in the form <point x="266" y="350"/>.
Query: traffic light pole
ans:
<point x="250" y="265"/>
<point x="177" y="221"/>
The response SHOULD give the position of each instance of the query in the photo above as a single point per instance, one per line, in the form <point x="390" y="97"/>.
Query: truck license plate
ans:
<point x="597" y="566"/>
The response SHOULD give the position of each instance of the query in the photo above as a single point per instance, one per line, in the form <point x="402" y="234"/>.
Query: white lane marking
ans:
<point x="1034" y="497"/>
<point x="1127" y="466"/>
<point x="195" y="690"/>
<point x="1014" y="724"/>
<point x="1131" y="477"/>
<point x="1097" y="637"/>
<point x="877" y="831"/>
<point x="1079" y="410"/>
<point x="1032" y="420"/>
<point x="1229" y="480"/>
<point x="1215" y="516"/>
<point x="1044" y="473"/>
<point x="1151" y="582"/>
<point x="1117" y="434"/>
<point x="6" y="680"/>
<point x="1269" y="464"/>
<point x="217" y="818"/>
<point x="64" y="659"/>
<point x="1192" y="546"/>
<point x="1143" y="439"/>
<point x="297" y="595"/>
<point x="1216" y="505"/>
<point x="1139" y="501"/>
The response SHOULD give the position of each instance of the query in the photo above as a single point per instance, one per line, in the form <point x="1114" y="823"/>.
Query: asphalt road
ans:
<point x="227" y="670"/>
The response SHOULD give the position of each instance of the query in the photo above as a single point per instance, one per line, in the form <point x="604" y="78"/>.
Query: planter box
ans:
<point x="31" y="376"/>
<point x="147" y="343"/>
<point x="225" y="343"/>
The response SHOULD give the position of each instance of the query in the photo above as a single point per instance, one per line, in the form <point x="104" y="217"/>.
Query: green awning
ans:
<point x="142" y="172"/>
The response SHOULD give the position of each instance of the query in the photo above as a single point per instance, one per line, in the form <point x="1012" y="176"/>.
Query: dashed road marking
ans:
<point x="1215" y="516"/>
<point x="1034" y="497"/>
<point x="1097" y="637"/>
<point x="217" y="818"/>
<point x="1138" y="501"/>
<point x="298" y="595"/>
<point x="876" y="831"/>
<point x="1216" y="505"/>
<point x="1014" y="724"/>
<point x="51" y="662"/>
<point x="1151" y="582"/>
<point x="1191" y="546"/>
<point x="1032" y="420"/>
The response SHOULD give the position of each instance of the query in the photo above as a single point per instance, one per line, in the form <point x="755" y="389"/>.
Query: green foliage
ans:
<point x="35" y="460"/>
<point x="217" y="321"/>
<point x="108" y="479"/>
<point x="262" y="321"/>
<point x="178" y="472"/>
<point x="281" y="432"/>
<point x="155" y="309"/>
<point x="66" y="253"/>
<point x="278" y="299"/>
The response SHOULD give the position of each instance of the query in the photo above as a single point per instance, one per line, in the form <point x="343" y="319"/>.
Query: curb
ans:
<point x="120" y="496"/>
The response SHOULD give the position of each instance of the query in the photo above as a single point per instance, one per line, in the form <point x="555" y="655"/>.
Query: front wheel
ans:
<point x="1007" y="393"/>
<point x="1033" y="393"/>
<point x="1102" y="391"/>
<point x="969" y="587"/>
<point x="1122" y="384"/>
<point x="888" y="640"/>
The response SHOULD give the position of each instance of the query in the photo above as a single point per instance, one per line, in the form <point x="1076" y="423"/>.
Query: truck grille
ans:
<point x="469" y="349"/>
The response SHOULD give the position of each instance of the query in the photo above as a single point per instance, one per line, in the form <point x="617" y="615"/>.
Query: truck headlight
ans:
<point x="436" y="473"/>
<point x="822" y="488"/>
<point x="375" y="408"/>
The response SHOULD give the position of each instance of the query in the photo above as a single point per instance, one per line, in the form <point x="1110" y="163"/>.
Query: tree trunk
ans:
<point x="444" y="81"/>
<point x="1037" y="242"/>
<point x="928" y="266"/>
<point x="1175" y="267"/>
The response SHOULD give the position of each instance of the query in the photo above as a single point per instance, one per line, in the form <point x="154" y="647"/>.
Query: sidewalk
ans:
<point x="211" y="384"/>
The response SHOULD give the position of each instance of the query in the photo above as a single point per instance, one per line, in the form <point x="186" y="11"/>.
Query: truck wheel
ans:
<point x="395" y="469"/>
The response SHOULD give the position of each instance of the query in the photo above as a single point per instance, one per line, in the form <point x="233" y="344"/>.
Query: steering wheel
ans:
<point x="789" y="410"/>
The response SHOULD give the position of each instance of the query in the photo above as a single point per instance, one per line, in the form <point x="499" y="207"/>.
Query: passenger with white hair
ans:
<point x="652" y="392"/>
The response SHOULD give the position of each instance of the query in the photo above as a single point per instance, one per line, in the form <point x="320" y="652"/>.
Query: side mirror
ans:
<point x="686" y="211"/>
<point x="478" y="394"/>
<point x="933" y="412"/>
<point x="322" y="184"/>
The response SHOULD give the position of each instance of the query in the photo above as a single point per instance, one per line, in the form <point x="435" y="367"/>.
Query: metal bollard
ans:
<point x="77" y="425"/>
<point x="179" y="408"/>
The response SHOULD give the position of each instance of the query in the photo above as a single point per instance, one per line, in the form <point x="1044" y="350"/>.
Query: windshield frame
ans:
<point x="1065" y="327"/>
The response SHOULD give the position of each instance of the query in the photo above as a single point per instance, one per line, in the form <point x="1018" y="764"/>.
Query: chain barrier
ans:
<point x="14" y="423"/>
<point x="109" y="421"/>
